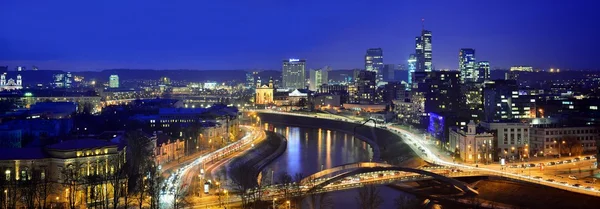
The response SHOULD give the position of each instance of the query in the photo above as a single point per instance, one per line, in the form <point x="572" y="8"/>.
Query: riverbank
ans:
<point x="386" y="146"/>
<point x="261" y="154"/>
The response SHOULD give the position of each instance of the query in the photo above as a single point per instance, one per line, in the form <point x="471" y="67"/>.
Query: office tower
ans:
<point x="113" y="81"/>
<point x="466" y="66"/>
<point x="374" y="62"/>
<point x="502" y="100"/>
<point x="388" y="72"/>
<point x="423" y="51"/>
<point x="483" y="71"/>
<point x="412" y="66"/>
<point x="318" y="77"/>
<point x="250" y="80"/>
<point x="365" y="88"/>
<point x="294" y="74"/>
<point x="62" y="80"/>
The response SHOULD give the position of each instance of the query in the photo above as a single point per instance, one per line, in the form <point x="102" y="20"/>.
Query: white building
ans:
<point x="512" y="139"/>
<point x="473" y="146"/>
<point x="10" y="84"/>
<point x="552" y="139"/>
<point x="113" y="81"/>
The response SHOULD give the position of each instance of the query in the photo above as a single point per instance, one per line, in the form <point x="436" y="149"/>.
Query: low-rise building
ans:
<point x="512" y="139"/>
<point x="474" y="145"/>
<point x="563" y="140"/>
<point x="64" y="167"/>
<point x="168" y="149"/>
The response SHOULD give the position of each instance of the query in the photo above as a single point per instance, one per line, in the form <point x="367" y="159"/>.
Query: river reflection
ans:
<point x="310" y="150"/>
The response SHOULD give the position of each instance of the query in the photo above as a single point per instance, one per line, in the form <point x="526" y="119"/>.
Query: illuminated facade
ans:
<point x="113" y="81"/>
<point x="423" y="51"/>
<point x="466" y="66"/>
<point x="412" y="66"/>
<point x="318" y="78"/>
<point x="503" y="100"/>
<point x="264" y="93"/>
<point x="512" y="139"/>
<point x="483" y="71"/>
<point x="294" y="74"/>
<point x="374" y="62"/>
<point x="472" y="146"/>
<point x="10" y="84"/>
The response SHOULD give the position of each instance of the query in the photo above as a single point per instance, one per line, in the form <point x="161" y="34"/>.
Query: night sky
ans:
<point x="226" y="34"/>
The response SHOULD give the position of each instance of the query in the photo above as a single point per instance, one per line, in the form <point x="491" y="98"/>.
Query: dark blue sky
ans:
<point x="230" y="34"/>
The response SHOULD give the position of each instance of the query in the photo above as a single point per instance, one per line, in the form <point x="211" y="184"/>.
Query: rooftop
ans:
<point x="22" y="153"/>
<point x="81" y="144"/>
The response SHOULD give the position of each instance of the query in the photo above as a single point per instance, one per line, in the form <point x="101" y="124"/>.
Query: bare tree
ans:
<point x="319" y="200"/>
<point x="241" y="182"/>
<point x="368" y="197"/>
<point x="139" y="164"/>
<point x="44" y="188"/>
<point x="285" y="181"/>
<point x="405" y="202"/>
<point x="72" y="181"/>
<point x="571" y="146"/>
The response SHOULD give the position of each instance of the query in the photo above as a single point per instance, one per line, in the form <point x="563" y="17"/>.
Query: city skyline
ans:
<point x="514" y="33"/>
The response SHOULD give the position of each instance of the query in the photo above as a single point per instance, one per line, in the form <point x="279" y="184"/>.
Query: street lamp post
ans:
<point x="274" y="199"/>
<point x="288" y="204"/>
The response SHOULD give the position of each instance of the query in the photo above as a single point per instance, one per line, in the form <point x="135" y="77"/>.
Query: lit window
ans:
<point x="593" y="107"/>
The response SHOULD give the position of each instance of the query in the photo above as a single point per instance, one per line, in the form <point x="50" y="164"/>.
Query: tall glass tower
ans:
<point x="423" y="51"/>
<point x="467" y="65"/>
<point x="374" y="62"/>
<point x="412" y="66"/>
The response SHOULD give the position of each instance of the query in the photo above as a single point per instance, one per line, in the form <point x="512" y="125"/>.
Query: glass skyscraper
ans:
<point x="423" y="51"/>
<point x="294" y="74"/>
<point x="483" y="71"/>
<point x="466" y="65"/>
<point x="374" y="62"/>
<point x="412" y="66"/>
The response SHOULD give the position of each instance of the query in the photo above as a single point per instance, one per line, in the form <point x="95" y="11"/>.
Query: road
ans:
<point x="180" y="180"/>
<point x="432" y="155"/>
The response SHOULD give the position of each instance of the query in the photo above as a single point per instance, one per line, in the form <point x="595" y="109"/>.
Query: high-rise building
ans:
<point x="113" y="81"/>
<point x="388" y="72"/>
<point x="466" y="65"/>
<point x="250" y="80"/>
<point x="483" y="71"/>
<point x="62" y="80"/>
<point x="412" y="66"/>
<point x="318" y="77"/>
<point x="374" y="62"/>
<point x="365" y="86"/>
<point x="502" y="100"/>
<point x="294" y="74"/>
<point x="423" y="51"/>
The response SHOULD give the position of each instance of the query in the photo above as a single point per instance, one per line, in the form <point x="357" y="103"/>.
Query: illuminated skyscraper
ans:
<point x="113" y="81"/>
<point x="318" y="77"/>
<point x="466" y="66"/>
<point x="423" y="51"/>
<point x="294" y="74"/>
<point x="483" y="69"/>
<point x="412" y="66"/>
<point x="374" y="62"/>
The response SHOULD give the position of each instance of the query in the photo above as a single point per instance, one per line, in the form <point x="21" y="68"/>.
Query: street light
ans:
<point x="288" y="204"/>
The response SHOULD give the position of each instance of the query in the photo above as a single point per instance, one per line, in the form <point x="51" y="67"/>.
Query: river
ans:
<point x="309" y="150"/>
